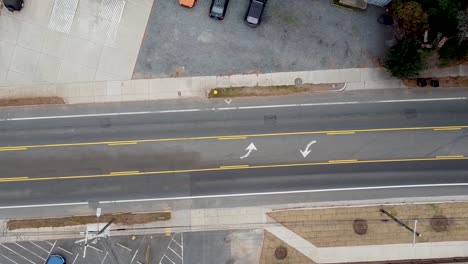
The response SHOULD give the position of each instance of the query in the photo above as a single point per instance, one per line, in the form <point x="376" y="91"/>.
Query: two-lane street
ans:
<point x="143" y="151"/>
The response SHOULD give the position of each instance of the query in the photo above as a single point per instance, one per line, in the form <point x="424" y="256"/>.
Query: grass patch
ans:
<point x="126" y="218"/>
<point x="272" y="90"/>
<point x="32" y="101"/>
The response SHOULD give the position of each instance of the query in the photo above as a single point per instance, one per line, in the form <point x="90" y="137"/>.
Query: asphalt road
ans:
<point x="363" y="143"/>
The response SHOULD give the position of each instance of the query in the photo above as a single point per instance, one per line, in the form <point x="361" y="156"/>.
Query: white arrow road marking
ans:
<point x="249" y="149"/>
<point x="228" y="101"/>
<point x="306" y="151"/>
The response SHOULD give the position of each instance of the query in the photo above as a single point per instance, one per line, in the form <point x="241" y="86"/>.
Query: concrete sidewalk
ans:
<point x="186" y="87"/>
<point x="189" y="87"/>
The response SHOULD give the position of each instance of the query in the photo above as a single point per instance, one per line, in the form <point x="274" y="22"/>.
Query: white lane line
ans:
<point x="232" y="108"/>
<point x="14" y="252"/>
<point x="289" y="192"/>
<point x="30" y="251"/>
<point x="438" y="185"/>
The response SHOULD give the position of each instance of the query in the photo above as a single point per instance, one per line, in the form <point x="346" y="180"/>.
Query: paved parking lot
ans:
<point x="212" y="247"/>
<point x="294" y="35"/>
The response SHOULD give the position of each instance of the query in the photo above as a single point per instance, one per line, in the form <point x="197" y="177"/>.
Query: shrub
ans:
<point x="405" y="60"/>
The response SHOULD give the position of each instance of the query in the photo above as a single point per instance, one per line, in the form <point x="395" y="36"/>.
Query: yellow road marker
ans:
<point x="451" y="157"/>
<point x="234" y="167"/>
<point x="13" y="179"/>
<point x="12" y="148"/>
<point x="230" y="138"/>
<point x="330" y="132"/>
<point x="125" y="172"/>
<point x="167" y="231"/>
<point x="447" y="129"/>
<point x="341" y="133"/>
<point x="123" y="143"/>
<point x="342" y="161"/>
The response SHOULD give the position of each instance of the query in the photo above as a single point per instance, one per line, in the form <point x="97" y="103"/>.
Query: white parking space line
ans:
<point x="233" y="108"/>
<point x="30" y="251"/>
<point x="95" y="248"/>
<point x="76" y="257"/>
<point x="16" y="253"/>
<point x="53" y="246"/>
<point x="64" y="250"/>
<point x="134" y="255"/>
<point x="9" y="259"/>
<point x="104" y="259"/>
<point x="39" y="247"/>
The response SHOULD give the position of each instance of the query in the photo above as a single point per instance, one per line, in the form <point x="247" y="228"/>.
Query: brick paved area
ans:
<point x="334" y="227"/>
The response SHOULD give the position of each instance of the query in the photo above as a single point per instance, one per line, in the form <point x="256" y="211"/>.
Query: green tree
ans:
<point x="462" y="26"/>
<point x="410" y="17"/>
<point x="405" y="60"/>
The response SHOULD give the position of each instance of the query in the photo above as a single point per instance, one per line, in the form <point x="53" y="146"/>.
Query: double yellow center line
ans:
<point x="231" y="167"/>
<point x="234" y="137"/>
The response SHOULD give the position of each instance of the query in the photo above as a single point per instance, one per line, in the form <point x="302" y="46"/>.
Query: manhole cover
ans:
<point x="439" y="223"/>
<point x="281" y="252"/>
<point x="360" y="226"/>
<point x="298" y="81"/>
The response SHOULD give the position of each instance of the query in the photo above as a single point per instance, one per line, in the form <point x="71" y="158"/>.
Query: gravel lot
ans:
<point x="294" y="35"/>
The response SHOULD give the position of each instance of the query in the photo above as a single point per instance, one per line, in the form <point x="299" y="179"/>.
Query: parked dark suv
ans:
<point x="218" y="9"/>
<point x="13" y="5"/>
<point x="253" y="17"/>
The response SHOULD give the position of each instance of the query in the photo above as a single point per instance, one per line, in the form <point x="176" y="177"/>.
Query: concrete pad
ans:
<point x="182" y="84"/>
<point x="243" y="80"/>
<point x="134" y="97"/>
<point x="86" y="89"/>
<point x="283" y="78"/>
<point x="114" y="88"/>
<point x="140" y="87"/>
<point x="327" y="76"/>
<point x="107" y="98"/>
<point x="350" y="86"/>
<point x="222" y="81"/>
<point x="99" y="88"/>
<point x="463" y="70"/>
<point x="264" y="79"/>
<point x="4" y="92"/>
<point x="126" y="87"/>
<point x="361" y="4"/>
<point x="204" y="82"/>
<point x="374" y="74"/>
<point x="80" y="100"/>
<point x="384" y="84"/>
<point x="349" y="75"/>
<point x="67" y="90"/>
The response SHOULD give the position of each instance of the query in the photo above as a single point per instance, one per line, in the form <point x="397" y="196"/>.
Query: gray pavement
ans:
<point x="211" y="153"/>
<point x="294" y="36"/>
<point x="211" y="247"/>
